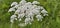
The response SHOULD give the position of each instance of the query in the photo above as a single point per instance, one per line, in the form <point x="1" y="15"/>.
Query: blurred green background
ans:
<point x="51" y="21"/>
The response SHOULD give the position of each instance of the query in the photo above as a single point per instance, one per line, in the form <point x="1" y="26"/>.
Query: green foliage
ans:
<point x="51" y="21"/>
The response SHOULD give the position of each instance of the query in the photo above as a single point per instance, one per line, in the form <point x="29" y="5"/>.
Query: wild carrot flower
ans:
<point x="27" y="10"/>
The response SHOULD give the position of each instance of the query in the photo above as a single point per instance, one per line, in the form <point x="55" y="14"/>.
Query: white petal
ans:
<point x="13" y="16"/>
<point x="44" y="12"/>
<point x="39" y="17"/>
<point x="20" y="16"/>
<point x="35" y="2"/>
<point x="11" y="9"/>
<point x="17" y="11"/>
<point x="22" y="2"/>
<point x="14" y="3"/>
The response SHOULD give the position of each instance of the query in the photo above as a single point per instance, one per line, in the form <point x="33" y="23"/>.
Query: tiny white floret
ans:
<point x="14" y="3"/>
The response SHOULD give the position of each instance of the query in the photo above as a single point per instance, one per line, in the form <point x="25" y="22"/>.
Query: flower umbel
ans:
<point x="27" y="10"/>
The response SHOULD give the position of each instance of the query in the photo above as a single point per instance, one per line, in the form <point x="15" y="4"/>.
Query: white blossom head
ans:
<point x="29" y="10"/>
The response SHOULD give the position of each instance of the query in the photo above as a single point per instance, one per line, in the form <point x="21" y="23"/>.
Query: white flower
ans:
<point x="16" y="6"/>
<point x="41" y="8"/>
<point x="12" y="18"/>
<point x="44" y="12"/>
<point x="34" y="6"/>
<point x="45" y="15"/>
<point x="35" y="12"/>
<point x="38" y="8"/>
<point x="17" y="11"/>
<point x="11" y="9"/>
<point x="21" y="15"/>
<point x="30" y="14"/>
<point x="35" y="2"/>
<point x="27" y="20"/>
<point x="14" y="3"/>
<point x="28" y="3"/>
<point x="21" y="3"/>
<point x="39" y="17"/>
<point x="27" y="10"/>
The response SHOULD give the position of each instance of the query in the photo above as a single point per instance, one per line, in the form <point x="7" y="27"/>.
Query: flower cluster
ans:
<point x="28" y="10"/>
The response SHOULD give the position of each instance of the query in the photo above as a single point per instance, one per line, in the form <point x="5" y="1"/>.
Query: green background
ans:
<point x="51" y="21"/>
